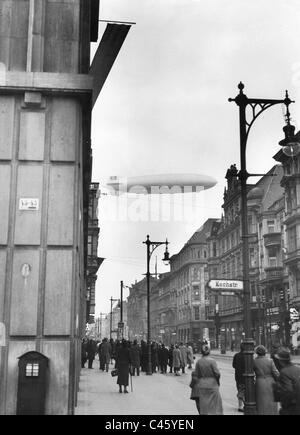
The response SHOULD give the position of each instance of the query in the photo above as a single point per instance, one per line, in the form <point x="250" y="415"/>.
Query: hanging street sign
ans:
<point x="226" y="284"/>
<point x="121" y="325"/>
<point x="227" y="293"/>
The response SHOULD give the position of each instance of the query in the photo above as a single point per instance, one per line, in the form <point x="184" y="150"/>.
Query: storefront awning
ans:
<point x="107" y="52"/>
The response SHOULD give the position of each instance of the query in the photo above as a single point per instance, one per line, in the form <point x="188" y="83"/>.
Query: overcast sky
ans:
<point x="164" y="109"/>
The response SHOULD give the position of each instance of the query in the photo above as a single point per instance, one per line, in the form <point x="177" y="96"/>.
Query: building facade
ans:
<point x="137" y="309"/>
<point x="47" y="91"/>
<point x="268" y="277"/>
<point x="188" y="278"/>
<point x="291" y="258"/>
<point x="93" y="261"/>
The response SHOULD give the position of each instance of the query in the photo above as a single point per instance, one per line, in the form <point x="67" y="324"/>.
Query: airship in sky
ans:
<point x="160" y="184"/>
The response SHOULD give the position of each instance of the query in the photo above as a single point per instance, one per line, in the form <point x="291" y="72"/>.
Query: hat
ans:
<point x="205" y="350"/>
<point x="260" y="350"/>
<point x="283" y="354"/>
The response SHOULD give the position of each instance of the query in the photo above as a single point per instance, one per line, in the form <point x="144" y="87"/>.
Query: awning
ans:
<point x="107" y="52"/>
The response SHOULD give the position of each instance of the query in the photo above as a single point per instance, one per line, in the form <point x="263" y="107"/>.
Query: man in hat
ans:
<point x="238" y="363"/>
<point x="287" y="388"/>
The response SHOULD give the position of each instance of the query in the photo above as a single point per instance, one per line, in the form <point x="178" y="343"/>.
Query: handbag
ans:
<point x="114" y="372"/>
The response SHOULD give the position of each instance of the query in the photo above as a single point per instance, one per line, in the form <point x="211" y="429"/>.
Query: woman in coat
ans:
<point x="177" y="363"/>
<point x="183" y="351"/>
<point x="194" y="385"/>
<point x="206" y="370"/>
<point x="190" y="356"/>
<point x="123" y="365"/>
<point x="266" y="374"/>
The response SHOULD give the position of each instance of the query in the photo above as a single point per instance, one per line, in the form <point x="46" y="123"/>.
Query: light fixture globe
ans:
<point x="291" y="143"/>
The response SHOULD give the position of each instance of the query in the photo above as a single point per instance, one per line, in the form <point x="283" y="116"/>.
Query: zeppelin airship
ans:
<point x="160" y="184"/>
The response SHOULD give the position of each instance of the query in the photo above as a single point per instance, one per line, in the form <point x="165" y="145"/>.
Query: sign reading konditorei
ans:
<point x="29" y="204"/>
<point x="226" y="284"/>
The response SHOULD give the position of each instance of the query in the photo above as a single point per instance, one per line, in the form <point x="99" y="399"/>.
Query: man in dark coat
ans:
<point x="144" y="356"/>
<point x="154" y="356"/>
<point x="287" y="388"/>
<point x="135" y="356"/>
<point x="104" y="351"/>
<point x="91" y="352"/>
<point x="123" y="364"/>
<point x="163" y="355"/>
<point x="170" y="358"/>
<point x="83" y="352"/>
<point x="238" y="364"/>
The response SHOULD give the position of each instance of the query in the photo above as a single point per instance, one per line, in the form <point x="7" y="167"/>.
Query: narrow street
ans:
<point x="152" y="395"/>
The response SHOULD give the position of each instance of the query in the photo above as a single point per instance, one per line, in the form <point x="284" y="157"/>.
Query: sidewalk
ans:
<point x="152" y="395"/>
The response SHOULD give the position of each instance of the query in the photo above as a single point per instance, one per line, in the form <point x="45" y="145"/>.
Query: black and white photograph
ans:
<point x="149" y="210"/>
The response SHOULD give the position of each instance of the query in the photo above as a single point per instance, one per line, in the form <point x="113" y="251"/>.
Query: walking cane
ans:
<point x="131" y="380"/>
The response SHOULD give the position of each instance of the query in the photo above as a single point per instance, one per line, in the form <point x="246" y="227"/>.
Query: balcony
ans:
<point x="93" y="223"/>
<point x="272" y="239"/>
<point x="292" y="258"/>
<point x="274" y="273"/>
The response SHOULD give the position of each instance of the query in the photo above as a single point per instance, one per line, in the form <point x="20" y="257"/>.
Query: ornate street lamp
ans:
<point x="257" y="106"/>
<point x="151" y="246"/>
<point x="111" y="314"/>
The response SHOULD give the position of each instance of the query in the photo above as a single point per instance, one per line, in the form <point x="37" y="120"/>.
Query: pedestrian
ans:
<point x="144" y="356"/>
<point x="183" y="351"/>
<point x="113" y="346"/>
<point x="170" y="358"/>
<point x="154" y="356"/>
<point x="265" y="376"/>
<point x="91" y="352"/>
<point x="194" y="385"/>
<point x="177" y="363"/>
<point x="135" y="357"/>
<point x="163" y="355"/>
<point x="238" y="363"/>
<point x="104" y="352"/>
<point x="190" y="356"/>
<point x="83" y="352"/>
<point x="206" y="370"/>
<point x="287" y="387"/>
<point x="123" y="365"/>
<point x="274" y="349"/>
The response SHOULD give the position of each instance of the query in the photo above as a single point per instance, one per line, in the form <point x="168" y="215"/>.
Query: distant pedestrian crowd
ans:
<point x="277" y="379"/>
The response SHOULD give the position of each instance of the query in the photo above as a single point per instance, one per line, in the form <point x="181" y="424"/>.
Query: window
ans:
<point x="292" y="239"/>
<point x="32" y="370"/>
<point x="196" y="292"/>
<point x="272" y="257"/>
<point x="252" y="257"/>
<point x="251" y="224"/>
<point x="214" y="249"/>
<point x="196" y="313"/>
<point x="271" y="226"/>
<point x="90" y="240"/>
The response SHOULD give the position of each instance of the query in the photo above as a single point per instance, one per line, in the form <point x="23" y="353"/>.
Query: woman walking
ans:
<point x="266" y="375"/>
<point x="122" y="364"/>
<point x="206" y="370"/>
<point x="194" y="385"/>
<point x="177" y="363"/>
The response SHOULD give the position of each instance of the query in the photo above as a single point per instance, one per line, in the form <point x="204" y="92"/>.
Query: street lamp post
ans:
<point x="121" y="323"/>
<point x="151" y="246"/>
<point x="111" y="313"/>
<point x="257" y="106"/>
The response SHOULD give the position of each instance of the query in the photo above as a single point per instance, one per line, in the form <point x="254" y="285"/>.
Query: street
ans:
<point x="152" y="395"/>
